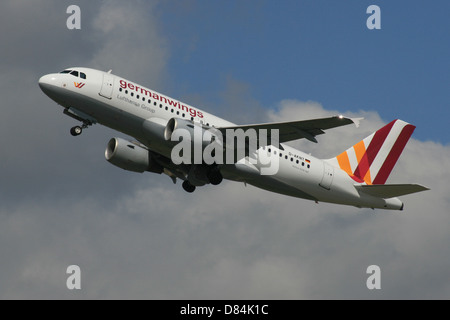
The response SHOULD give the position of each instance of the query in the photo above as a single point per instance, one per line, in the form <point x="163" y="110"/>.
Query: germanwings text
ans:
<point x="146" y="92"/>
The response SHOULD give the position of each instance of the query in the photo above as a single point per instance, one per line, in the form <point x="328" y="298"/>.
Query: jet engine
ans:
<point x="130" y="156"/>
<point x="196" y="131"/>
<point x="199" y="137"/>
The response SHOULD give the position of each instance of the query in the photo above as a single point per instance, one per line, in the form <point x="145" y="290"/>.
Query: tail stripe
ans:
<point x="344" y="163"/>
<point x="372" y="159"/>
<point x="387" y="147"/>
<point x="362" y="168"/>
<point x="393" y="156"/>
<point x="360" y="150"/>
<point x="375" y="145"/>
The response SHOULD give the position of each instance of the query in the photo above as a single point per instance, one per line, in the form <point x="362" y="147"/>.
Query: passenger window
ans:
<point x="74" y="73"/>
<point x="82" y="75"/>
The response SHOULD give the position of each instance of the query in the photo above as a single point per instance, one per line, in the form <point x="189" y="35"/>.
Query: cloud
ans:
<point x="37" y="37"/>
<point x="231" y="241"/>
<point x="43" y="160"/>
<point x="132" y="41"/>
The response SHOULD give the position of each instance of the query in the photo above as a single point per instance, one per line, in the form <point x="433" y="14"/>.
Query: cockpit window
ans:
<point x="75" y="73"/>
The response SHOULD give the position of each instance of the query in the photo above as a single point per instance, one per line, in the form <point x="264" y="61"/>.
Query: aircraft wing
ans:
<point x="293" y="130"/>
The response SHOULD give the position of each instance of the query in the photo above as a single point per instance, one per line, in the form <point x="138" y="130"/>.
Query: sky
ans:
<point x="139" y="236"/>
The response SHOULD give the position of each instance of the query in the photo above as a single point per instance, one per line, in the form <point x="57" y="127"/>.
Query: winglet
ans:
<point x="356" y="121"/>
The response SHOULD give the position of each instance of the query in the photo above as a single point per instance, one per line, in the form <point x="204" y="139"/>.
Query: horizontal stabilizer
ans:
<point x="386" y="191"/>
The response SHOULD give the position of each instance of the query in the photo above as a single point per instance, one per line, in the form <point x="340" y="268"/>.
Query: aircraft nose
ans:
<point x="50" y="84"/>
<point x="46" y="81"/>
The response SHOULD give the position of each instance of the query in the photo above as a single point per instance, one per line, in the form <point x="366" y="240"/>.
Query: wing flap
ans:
<point x="386" y="191"/>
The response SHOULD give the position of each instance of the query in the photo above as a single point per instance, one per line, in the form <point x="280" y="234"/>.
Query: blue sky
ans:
<point x="320" y="51"/>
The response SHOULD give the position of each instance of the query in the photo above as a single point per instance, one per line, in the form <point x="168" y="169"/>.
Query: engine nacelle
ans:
<point x="193" y="142"/>
<point x="130" y="156"/>
<point x="205" y="135"/>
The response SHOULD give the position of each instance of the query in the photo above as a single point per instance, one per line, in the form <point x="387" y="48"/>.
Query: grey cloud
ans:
<point x="37" y="38"/>
<point x="231" y="241"/>
<point x="132" y="42"/>
<point x="40" y="157"/>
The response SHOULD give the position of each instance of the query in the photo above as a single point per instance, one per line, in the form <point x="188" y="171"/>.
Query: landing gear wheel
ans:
<point x="188" y="187"/>
<point x="215" y="177"/>
<point x="76" y="131"/>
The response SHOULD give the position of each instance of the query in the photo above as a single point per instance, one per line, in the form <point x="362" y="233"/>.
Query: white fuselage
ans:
<point x="143" y="114"/>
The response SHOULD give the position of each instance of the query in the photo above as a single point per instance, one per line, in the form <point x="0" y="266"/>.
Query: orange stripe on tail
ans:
<point x="377" y="154"/>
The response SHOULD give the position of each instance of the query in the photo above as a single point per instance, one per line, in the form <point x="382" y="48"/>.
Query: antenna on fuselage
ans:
<point x="109" y="71"/>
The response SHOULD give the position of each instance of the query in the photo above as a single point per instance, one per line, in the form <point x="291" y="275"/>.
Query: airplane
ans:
<point x="356" y="177"/>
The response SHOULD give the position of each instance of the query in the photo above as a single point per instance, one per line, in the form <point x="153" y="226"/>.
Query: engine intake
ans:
<point x="130" y="156"/>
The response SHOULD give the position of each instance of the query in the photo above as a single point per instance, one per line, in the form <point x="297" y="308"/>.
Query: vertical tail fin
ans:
<point x="372" y="159"/>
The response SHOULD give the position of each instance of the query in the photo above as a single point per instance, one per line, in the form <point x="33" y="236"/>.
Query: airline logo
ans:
<point x="146" y="92"/>
<point x="79" y="85"/>
<point x="372" y="159"/>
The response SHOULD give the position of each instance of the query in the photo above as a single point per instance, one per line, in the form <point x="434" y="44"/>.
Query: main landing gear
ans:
<point x="198" y="174"/>
<point x="215" y="177"/>
<point x="188" y="187"/>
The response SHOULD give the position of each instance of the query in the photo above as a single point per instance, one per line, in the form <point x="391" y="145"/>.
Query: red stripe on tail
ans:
<point x="393" y="156"/>
<point x="372" y="150"/>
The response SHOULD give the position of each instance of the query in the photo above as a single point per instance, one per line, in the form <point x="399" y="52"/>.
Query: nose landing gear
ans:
<point x="76" y="131"/>
<point x="87" y="120"/>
